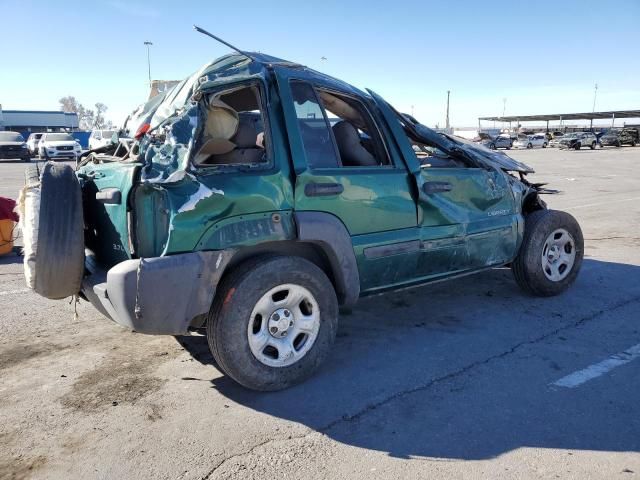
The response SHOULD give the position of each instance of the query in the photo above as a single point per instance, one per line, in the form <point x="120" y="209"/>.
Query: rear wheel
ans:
<point x="592" y="146"/>
<point x="544" y="145"/>
<point x="529" y="145"/>
<point x="492" y="146"/>
<point x="551" y="253"/>
<point x="577" y="146"/>
<point x="273" y="322"/>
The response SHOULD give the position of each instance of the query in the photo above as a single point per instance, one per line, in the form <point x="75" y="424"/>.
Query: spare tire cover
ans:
<point x="53" y="230"/>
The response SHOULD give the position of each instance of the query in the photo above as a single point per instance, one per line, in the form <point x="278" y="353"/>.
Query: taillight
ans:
<point x="144" y="128"/>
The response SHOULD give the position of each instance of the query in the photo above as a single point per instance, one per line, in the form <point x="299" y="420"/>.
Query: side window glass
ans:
<point x="313" y="127"/>
<point x="356" y="134"/>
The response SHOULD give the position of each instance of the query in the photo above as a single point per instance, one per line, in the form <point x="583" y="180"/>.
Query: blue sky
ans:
<point x="543" y="57"/>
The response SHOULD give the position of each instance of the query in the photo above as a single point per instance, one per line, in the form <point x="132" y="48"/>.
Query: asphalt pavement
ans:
<point x="469" y="378"/>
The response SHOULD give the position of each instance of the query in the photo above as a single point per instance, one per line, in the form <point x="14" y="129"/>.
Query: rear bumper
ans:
<point x="161" y="295"/>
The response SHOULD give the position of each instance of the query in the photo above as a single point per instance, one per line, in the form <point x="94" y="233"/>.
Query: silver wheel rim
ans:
<point x="284" y="325"/>
<point x="558" y="255"/>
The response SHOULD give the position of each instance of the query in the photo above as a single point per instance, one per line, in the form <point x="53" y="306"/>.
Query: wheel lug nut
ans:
<point x="274" y="329"/>
<point x="276" y="317"/>
<point x="286" y="313"/>
<point x="291" y="323"/>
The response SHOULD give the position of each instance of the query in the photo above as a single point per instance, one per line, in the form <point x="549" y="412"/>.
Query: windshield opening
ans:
<point x="11" y="137"/>
<point x="59" y="137"/>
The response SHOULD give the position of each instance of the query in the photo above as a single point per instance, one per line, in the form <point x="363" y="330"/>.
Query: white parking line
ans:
<point x="10" y="292"/>
<point x="597" y="369"/>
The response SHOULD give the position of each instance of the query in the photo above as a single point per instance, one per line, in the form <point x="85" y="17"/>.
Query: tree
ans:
<point x="87" y="119"/>
<point x="99" y="120"/>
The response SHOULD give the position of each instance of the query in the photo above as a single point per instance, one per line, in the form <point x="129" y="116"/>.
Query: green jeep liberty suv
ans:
<point x="258" y="196"/>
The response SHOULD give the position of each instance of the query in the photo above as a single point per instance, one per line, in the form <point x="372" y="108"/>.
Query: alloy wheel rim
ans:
<point x="284" y="325"/>
<point x="558" y="255"/>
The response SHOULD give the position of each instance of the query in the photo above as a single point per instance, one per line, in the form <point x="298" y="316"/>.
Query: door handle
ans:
<point x="110" y="196"/>
<point x="436" y="187"/>
<point x="322" y="189"/>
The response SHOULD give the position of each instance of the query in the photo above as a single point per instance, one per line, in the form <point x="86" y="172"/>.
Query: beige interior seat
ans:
<point x="221" y="125"/>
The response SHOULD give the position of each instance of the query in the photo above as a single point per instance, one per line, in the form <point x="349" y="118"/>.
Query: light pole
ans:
<point x="447" y="119"/>
<point x="148" y="44"/>
<point x="593" y="110"/>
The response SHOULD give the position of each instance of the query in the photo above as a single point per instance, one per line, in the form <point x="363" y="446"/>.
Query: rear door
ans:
<point x="107" y="219"/>
<point x="373" y="201"/>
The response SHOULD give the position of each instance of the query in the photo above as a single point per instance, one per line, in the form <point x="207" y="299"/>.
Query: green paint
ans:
<point x="400" y="234"/>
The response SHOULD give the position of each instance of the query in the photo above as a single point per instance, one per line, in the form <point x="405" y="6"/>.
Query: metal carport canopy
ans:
<point x="567" y="116"/>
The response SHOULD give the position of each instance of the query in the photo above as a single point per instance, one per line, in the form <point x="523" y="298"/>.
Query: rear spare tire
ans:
<point x="551" y="253"/>
<point x="52" y="226"/>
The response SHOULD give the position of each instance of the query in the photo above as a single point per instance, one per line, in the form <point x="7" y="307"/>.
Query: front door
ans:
<point x="467" y="220"/>
<point x="466" y="214"/>
<point x="344" y="167"/>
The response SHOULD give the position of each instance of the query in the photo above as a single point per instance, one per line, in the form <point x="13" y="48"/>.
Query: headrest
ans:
<point x="346" y="134"/>
<point x="247" y="133"/>
<point x="221" y="126"/>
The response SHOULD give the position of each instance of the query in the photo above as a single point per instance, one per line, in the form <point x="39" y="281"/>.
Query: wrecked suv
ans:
<point x="258" y="196"/>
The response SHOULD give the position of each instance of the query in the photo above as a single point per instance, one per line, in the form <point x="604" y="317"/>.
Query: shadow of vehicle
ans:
<point x="461" y="370"/>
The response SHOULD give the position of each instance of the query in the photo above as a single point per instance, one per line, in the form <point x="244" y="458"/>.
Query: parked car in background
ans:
<point x="56" y="146"/>
<point x="577" y="140"/>
<point x="33" y="141"/>
<point x="531" y="141"/>
<point x="100" y="138"/>
<point x="555" y="141"/>
<point x="13" y="146"/>
<point x="494" y="142"/>
<point x="617" y="138"/>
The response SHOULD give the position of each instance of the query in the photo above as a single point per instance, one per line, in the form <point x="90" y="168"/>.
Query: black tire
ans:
<point x="58" y="264"/>
<point x="544" y="145"/>
<point x="529" y="145"/>
<point x="492" y="146"/>
<point x="592" y="146"/>
<point x="230" y="315"/>
<point x="527" y="267"/>
<point x="633" y="143"/>
<point x="577" y="146"/>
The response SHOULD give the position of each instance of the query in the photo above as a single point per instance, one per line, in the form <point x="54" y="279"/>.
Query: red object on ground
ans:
<point x="7" y="206"/>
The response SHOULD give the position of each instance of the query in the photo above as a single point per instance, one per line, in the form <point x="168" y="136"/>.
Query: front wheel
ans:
<point x="577" y="146"/>
<point x="529" y="145"/>
<point x="551" y="253"/>
<point x="592" y="146"/>
<point x="544" y="145"/>
<point x="273" y="322"/>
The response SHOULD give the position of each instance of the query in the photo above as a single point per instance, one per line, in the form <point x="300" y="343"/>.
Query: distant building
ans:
<point x="33" y="121"/>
